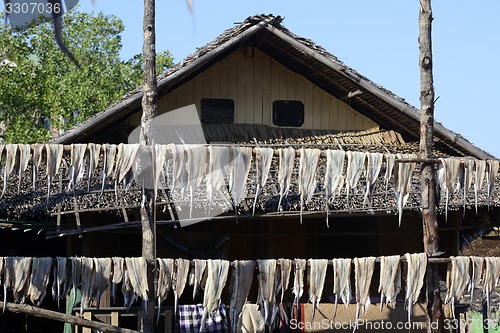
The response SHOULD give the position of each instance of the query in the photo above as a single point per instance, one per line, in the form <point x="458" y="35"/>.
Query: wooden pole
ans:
<point x="65" y="318"/>
<point x="149" y="111"/>
<point x="428" y="178"/>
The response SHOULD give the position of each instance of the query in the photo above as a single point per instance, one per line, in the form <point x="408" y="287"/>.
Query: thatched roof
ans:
<point x="298" y="54"/>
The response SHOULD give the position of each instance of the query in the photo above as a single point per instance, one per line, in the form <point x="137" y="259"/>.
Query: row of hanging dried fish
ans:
<point x="211" y="170"/>
<point x="28" y="277"/>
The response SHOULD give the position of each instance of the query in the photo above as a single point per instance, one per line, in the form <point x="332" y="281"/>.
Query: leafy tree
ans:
<point x="39" y="84"/>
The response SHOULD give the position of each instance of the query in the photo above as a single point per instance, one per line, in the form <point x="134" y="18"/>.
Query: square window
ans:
<point x="288" y="113"/>
<point x="217" y="111"/>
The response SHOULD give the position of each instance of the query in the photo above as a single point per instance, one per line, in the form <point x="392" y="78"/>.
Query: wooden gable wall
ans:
<point x="254" y="82"/>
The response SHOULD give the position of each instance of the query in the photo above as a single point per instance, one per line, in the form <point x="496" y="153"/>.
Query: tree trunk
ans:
<point x="54" y="315"/>
<point x="428" y="178"/>
<point x="149" y="110"/>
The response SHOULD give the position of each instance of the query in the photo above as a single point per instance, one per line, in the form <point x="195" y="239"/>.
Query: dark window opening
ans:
<point x="288" y="113"/>
<point x="217" y="111"/>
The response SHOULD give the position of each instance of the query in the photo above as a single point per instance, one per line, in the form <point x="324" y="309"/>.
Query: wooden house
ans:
<point x="256" y="85"/>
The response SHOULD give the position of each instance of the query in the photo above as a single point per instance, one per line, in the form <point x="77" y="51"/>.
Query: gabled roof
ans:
<point x="302" y="56"/>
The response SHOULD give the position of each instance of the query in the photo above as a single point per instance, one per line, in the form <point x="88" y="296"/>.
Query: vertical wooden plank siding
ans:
<point x="254" y="82"/>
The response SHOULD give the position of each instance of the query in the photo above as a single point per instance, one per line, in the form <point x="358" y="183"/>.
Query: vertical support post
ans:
<point x="428" y="178"/>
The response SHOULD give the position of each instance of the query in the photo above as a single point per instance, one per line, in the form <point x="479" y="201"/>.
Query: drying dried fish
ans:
<point x="217" y="276"/>
<point x="308" y="165"/>
<point x="103" y="268"/>
<point x="219" y="158"/>
<point x="62" y="283"/>
<point x="242" y="159"/>
<point x="285" y="169"/>
<point x="341" y="282"/>
<point x="334" y="178"/>
<point x="447" y="178"/>
<point x="477" y="271"/>
<point x="36" y="160"/>
<point x="118" y="269"/>
<point x="417" y="265"/>
<point x="373" y="166"/>
<point x="363" y="272"/>
<point x="179" y="177"/>
<point x="263" y="159"/>
<point x="403" y="173"/>
<point x="242" y="282"/>
<point x="491" y="173"/>
<point x="490" y="277"/>
<point x="355" y="164"/>
<point x="457" y="280"/>
<point x="165" y="275"/>
<point x="137" y="276"/>
<point x="298" y="280"/>
<point x="39" y="279"/>
<point x="317" y="274"/>
<point x="10" y="162"/>
<point x="479" y="178"/>
<point x="54" y="160"/>
<point x="20" y="277"/>
<point x="76" y="275"/>
<point x="196" y="277"/>
<point x="77" y="165"/>
<point x="88" y="281"/>
<point x="469" y="169"/>
<point x="196" y="167"/>
<point x="389" y="167"/>
<point x="390" y="279"/>
<point x="179" y="279"/>
<point x="24" y="158"/>
<point x="267" y="286"/>
<point x="286" y="268"/>
<point x="94" y="152"/>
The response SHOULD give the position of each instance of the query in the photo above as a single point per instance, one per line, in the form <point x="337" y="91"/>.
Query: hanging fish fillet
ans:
<point x="317" y="274"/>
<point x="10" y="162"/>
<point x="24" y="158"/>
<point x="20" y="279"/>
<point x="389" y="167"/>
<point x="39" y="279"/>
<point x="490" y="277"/>
<point x="129" y="295"/>
<point x="286" y="268"/>
<point x="263" y="159"/>
<point x="477" y="272"/>
<point x="160" y="155"/>
<point x="341" y="282"/>
<point x="137" y="276"/>
<point x="449" y="168"/>
<point x="403" y="175"/>
<point x="180" y="279"/>
<point x="243" y="271"/>
<point x="355" y="165"/>
<point x="373" y="166"/>
<point x="111" y="159"/>
<point x="417" y="265"/>
<point x="334" y="178"/>
<point x="479" y="178"/>
<point x="491" y="173"/>
<point x="217" y="271"/>
<point x="165" y="276"/>
<point x="390" y="279"/>
<point x="118" y="271"/>
<point x="298" y="280"/>
<point x="457" y="280"/>
<point x="54" y="160"/>
<point x="469" y="167"/>
<point x="103" y="268"/>
<point x="179" y="177"/>
<point x="127" y="154"/>
<point x="196" y="275"/>
<point x="363" y="272"/>
<point x="241" y="163"/>
<point x="36" y="160"/>
<point x="77" y="165"/>
<point x="94" y="152"/>
<point x="62" y="283"/>
<point x="219" y="158"/>
<point x="285" y="169"/>
<point x="196" y="167"/>
<point x="308" y="164"/>
<point x="76" y="275"/>
<point x="88" y="281"/>
<point x="267" y="277"/>
<point x="8" y="275"/>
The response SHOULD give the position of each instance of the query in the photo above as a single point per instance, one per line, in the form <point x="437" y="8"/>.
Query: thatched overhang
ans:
<point x="300" y="55"/>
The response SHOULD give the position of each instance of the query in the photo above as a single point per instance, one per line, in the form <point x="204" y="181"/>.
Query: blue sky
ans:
<point x="379" y="39"/>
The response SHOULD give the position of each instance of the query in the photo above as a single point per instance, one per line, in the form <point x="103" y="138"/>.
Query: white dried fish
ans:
<point x="10" y="162"/>
<point x="267" y="286"/>
<point x="390" y="279"/>
<point x="491" y="173"/>
<point x="285" y="169"/>
<point x="417" y="265"/>
<point x="490" y="277"/>
<point x="241" y="163"/>
<point x="298" y="280"/>
<point x="355" y="165"/>
<point x="24" y="158"/>
<point x="118" y="270"/>
<point x="457" y="280"/>
<point x="129" y="295"/>
<point x="76" y="275"/>
<point x="403" y="175"/>
<point x="286" y="268"/>
<point x="62" y="283"/>
<point x="479" y="178"/>
<point x="180" y="278"/>
<point x="127" y="154"/>
<point x="389" y="167"/>
<point x="39" y="279"/>
<point x="263" y="159"/>
<point x="197" y="275"/>
<point x="447" y="178"/>
<point x="88" y="282"/>
<point x="219" y="158"/>
<point x="111" y="160"/>
<point x="334" y="178"/>
<point x="317" y="274"/>
<point x="341" y="282"/>
<point x="197" y="156"/>
<point x="94" y="153"/>
<point x="54" y="160"/>
<point x="8" y="274"/>
<point x="217" y="271"/>
<point x="469" y="169"/>
<point x="77" y="165"/>
<point x="477" y="272"/>
<point x="179" y="177"/>
<point x="160" y="155"/>
<point x="165" y="276"/>
<point x="308" y="164"/>
<point x="363" y="272"/>
<point x="373" y="167"/>
<point x="20" y="278"/>
<point x="36" y="160"/>
<point x="243" y="271"/>
<point x="103" y="268"/>
<point x="137" y="276"/>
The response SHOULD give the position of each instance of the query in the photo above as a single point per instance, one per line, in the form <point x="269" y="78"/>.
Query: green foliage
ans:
<point x="38" y="83"/>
